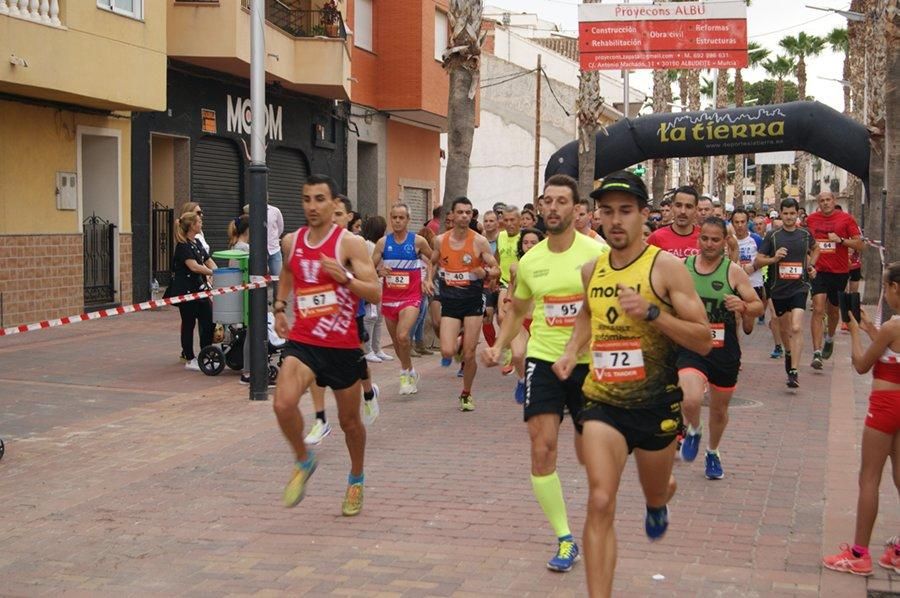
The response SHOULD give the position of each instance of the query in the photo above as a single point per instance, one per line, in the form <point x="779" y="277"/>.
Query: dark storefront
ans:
<point x="198" y="151"/>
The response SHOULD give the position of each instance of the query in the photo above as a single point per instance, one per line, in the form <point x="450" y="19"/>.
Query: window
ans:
<point x="363" y="30"/>
<point x="129" y="8"/>
<point x="441" y="34"/>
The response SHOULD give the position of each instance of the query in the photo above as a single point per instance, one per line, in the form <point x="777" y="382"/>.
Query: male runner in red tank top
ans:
<point x="328" y="269"/>
<point x="681" y="238"/>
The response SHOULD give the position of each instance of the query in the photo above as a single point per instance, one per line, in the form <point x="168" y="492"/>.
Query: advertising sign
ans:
<point x="684" y="35"/>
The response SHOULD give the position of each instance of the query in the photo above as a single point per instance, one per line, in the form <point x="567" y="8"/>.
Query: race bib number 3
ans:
<point x="561" y="311"/>
<point x="718" y="335"/>
<point x="827" y="246"/>
<point x="617" y="361"/>
<point x="790" y="270"/>
<point x="397" y="280"/>
<point x="456" y="279"/>
<point x="316" y="302"/>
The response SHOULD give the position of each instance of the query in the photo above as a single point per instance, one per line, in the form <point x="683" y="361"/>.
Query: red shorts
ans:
<point x="392" y="312"/>
<point x="526" y="323"/>
<point x="884" y="411"/>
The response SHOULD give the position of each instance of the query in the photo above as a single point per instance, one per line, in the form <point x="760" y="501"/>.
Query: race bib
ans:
<point x="456" y="279"/>
<point x="397" y="279"/>
<point x="617" y="361"/>
<point x="316" y="302"/>
<point x="718" y="335"/>
<point x="827" y="246"/>
<point x="561" y="311"/>
<point x="790" y="270"/>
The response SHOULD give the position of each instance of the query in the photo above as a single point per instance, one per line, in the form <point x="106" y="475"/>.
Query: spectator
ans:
<point x="274" y="231"/>
<point x="665" y="208"/>
<point x="372" y="230"/>
<point x="435" y="223"/>
<point x="528" y="219"/>
<point x="193" y="206"/>
<point x="355" y="224"/>
<point x="418" y="331"/>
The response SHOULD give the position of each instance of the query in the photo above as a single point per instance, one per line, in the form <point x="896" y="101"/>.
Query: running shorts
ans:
<point x="361" y="329"/>
<point x="830" y="284"/>
<point x="796" y="301"/>
<point x="392" y="312"/>
<point x="491" y="298"/>
<point x="719" y="374"/>
<point x="761" y="293"/>
<point x="651" y="428"/>
<point x="335" y="368"/>
<point x="855" y="274"/>
<point x="463" y="308"/>
<point x="884" y="411"/>
<point x="546" y="393"/>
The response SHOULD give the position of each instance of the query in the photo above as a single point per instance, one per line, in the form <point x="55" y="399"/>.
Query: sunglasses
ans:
<point x="656" y="218"/>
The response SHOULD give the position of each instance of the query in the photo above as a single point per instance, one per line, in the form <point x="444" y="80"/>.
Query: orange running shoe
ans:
<point x="848" y="562"/>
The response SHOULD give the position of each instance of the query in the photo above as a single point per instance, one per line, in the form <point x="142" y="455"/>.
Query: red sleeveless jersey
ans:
<point x="324" y="311"/>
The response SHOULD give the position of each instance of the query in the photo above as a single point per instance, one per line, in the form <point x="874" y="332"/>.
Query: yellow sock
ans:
<point x="548" y="491"/>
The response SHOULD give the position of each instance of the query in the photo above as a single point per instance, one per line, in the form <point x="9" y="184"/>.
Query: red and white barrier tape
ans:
<point x="256" y="282"/>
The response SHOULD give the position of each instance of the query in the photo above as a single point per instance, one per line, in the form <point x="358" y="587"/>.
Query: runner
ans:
<point x="680" y="237"/>
<point x="790" y="253"/>
<point x="665" y="208"/>
<point x="748" y="247"/>
<point x="528" y="239"/>
<point x="506" y="250"/>
<point x="583" y="221"/>
<point x="881" y="433"/>
<point x="398" y="259"/>
<point x="632" y="399"/>
<point x="835" y="231"/>
<point x="728" y="296"/>
<point x="549" y="276"/>
<point x="704" y="209"/>
<point x="492" y="291"/>
<point x="327" y="270"/>
<point x="465" y="260"/>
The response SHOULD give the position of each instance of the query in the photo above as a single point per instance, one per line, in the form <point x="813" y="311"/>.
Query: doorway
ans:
<point x="367" y="178"/>
<point x="170" y="174"/>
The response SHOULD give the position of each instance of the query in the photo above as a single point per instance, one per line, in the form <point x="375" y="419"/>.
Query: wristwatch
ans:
<point x="350" y="277"/>
<point x="652" y="312"/>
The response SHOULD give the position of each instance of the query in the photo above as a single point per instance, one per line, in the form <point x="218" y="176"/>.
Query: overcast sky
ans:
<point x="768" y="21"/>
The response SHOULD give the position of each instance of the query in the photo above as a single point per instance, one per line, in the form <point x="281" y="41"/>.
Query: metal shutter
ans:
<point x="217" y="185"/>
<point x="287" y="173"/>
<point x="417" y="200"/>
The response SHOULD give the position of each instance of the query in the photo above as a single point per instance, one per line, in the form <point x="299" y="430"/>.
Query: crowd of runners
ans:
<point x="619" y="314"/>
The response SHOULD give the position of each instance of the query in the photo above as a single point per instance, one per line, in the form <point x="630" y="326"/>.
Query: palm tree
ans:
<point x="720" y="167"/>
<point x="683" y="174"/>
<point x="840" y="44"/>
<point x="662" y="96"/>
<point x="588" y="106"/>
<point x="779" y="68"/>
<point x="463" y="61"/>
<point x="801" y="47"/>
<point x="695" y="165"/>
<point x="755" y="55"/>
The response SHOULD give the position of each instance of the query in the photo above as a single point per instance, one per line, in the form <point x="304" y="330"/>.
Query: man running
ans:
<point x="328" y="269"/>
<point x="398" y="258"/>
<point x="465" y="260"/>
<point x="704" y="209"/>
<point x="492" y="291"/>
<point x="728" y="296"/>
<point x="835" y="232"/>
<point x="550" y="276"/>
<point x="583" y="221"/>
<point x="748" y="247"/>
<point x="680" y="237"/>
<point x="790" y="252"/>
<point x="638" y="299"/>
<point x="507" y="244"/>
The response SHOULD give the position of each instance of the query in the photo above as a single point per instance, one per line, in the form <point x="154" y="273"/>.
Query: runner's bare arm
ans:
<point x="581" y="330"/>
<point x="423" y="249"/>
<point x="746" y="302"/>
<point x="436" y="250"/>
<point x="864" y="359"/>
<point x="487" y="256"/>
<point x="365" y="283"/>
<point x="285" y="287"/>
<point x="855" y="242"/>
<point x="377" y="253"/>
<point x="689" y="326"/>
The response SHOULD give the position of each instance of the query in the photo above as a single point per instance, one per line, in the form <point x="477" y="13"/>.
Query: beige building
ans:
<point x="71" y="74"/>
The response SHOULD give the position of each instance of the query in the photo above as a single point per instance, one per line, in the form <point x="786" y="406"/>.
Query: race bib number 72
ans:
<point x="617" y="361"/>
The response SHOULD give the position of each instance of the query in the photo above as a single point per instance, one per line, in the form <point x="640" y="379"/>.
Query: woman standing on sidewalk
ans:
<point x="191" y="265"/>
<point x="372" y="230"/>
<point x="880" y="435"/>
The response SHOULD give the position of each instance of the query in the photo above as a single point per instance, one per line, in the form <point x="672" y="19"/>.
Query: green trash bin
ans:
<point x="243" y="263"/>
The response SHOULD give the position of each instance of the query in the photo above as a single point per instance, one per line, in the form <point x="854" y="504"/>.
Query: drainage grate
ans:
<point x="737" y="403"/>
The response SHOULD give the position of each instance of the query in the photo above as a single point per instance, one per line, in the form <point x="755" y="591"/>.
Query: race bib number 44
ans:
<point x="316" y="302"/>
<point x="790" y="270"/>
<point x="617" y="361"/>
<point x="562" y="311"/>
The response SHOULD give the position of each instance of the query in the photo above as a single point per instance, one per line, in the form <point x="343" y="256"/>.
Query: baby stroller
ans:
<point x="228" y="349"/>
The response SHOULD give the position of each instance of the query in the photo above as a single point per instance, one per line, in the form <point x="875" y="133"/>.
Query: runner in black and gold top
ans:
<point x="729" y="298"/>
<point x="637" y="300"/>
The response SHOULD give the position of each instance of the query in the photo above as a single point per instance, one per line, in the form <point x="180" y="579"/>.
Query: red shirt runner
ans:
<point x="324" y="311"/>
<point x="681" y="246"/>
<point x="834" y="257"/>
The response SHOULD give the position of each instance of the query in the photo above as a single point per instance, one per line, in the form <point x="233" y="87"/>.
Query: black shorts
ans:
<point x="546" y="393"/>
<point x="855" y="274"/>
<point x="831" y="284"/>
<point x="650" y="428"/>
<point x="761" y="293"/>
<point x="782" y="306"/>
<point x="490" y="299"/>
<point x="361" y="329"/>
<point x="462" y="308"/>
<point x="719" y="373"/>
<point x="335" y="368"/>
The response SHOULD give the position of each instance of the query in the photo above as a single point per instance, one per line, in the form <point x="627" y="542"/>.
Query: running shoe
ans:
<point x="371" y="410"/>
<point x="412" y="380"/>
<point x="371" y="357"/>
<point x="567" y="554"/>
<point x="793" y="380"/>
<point x="520" y="394"/>
<point x="318" y="433"/>
<point x="423" y="350"/>
<point x="890" y="559"/>
<point x="192" y="365"/>
<point x="761" y="320"/>
<point x="245" y="379"/>
<point x="656" y="524"/>
<point x="847" y="562"/>
<point x="296" y="488"/>
<point x="691" y="445"/>
<point x="462" y="370"/>
<point x="828" y="348"/>
<point x="506" y="362"/>
<point x="446" y="361"/>
<point x="384" y="356"/>
<point x="817" y="361"/>
<point x="404" y="384"/>
<point x="777" y="353"/>
<point x="466" y="403"/>
<point x="353" y="500"/>
<point x="845" y="327"/>
<point x="713" y="466"/>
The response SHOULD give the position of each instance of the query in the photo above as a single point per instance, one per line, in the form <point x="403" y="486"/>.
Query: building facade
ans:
<point x="77" y="71"/>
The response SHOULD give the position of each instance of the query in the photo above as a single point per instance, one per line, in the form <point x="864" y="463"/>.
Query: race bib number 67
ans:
<point x="316" y="302"/>
<point x="617" y="361"/>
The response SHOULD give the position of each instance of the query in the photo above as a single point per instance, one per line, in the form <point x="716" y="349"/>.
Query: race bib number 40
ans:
<point x="316" y="302"/>
<point x="456" y="279"/>
<point x="561" y="311"/>
<point x="617" y="361"/>
<point x="790" y="270"/>
<point x="718" y="335"/>
<point x="397" y="280"/>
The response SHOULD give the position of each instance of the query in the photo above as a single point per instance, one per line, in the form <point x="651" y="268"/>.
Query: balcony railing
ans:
<point x="45" y="12"/>
<point x="301" y="23"/>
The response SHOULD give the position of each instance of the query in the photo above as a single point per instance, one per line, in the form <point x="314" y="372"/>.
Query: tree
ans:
<point x="462" y="60"/>
<point x="892" y="121"/>
<point x="589" y="107"/>
<point x="755" y="55"/>
<point x="856" y="46"/>
<point x="662" y="97"/>
<point x="801" y="47"/>
<point x="692" y="87"/>
<point x="764" y="91"/>
<point x="840" y="44"/>
<point x="780" y="67"/>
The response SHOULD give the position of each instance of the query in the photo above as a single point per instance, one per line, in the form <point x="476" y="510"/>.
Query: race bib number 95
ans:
<point x="562" y="311"/>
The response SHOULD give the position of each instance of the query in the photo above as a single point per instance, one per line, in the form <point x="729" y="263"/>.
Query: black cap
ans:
<point x="625" y="181"/>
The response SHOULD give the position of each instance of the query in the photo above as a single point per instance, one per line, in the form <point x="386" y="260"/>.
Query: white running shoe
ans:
<point x="371" y="410"/>
<point x="192" y="365"/>
<point x="318" y="432"/>
<point x="372" y="357"/>
<point x="412" y="379"/>
<point x="384" y="356"/>
<point x="404" y="385"/>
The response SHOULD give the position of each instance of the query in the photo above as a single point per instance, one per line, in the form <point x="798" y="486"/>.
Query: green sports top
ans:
<point x="507" y="248"/>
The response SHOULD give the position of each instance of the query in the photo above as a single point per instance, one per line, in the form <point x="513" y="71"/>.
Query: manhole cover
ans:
<point x="737" y="403"/>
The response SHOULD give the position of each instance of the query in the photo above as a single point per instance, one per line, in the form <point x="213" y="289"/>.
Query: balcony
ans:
<point x="306" y="51"/>
<point x="46" y="13"/>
